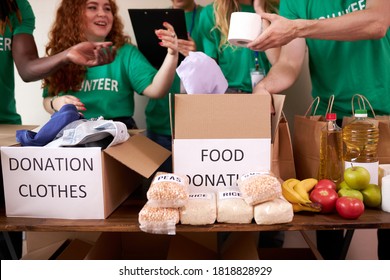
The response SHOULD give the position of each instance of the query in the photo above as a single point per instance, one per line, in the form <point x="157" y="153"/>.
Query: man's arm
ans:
<point x="370" y="23"/>
<point x="32" y="68"/>
<point x="286" y="70"/>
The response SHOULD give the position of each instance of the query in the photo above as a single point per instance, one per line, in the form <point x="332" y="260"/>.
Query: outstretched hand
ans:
<point x="92" y="53"/>
<point x="280" y="32"/>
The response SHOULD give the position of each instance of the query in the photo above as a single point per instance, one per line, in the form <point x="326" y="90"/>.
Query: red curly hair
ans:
<point x="67" y="31"/>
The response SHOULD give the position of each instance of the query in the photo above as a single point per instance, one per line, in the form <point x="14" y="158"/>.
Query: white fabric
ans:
<point x="92" y="131"/>
<point x="201" y="74"/>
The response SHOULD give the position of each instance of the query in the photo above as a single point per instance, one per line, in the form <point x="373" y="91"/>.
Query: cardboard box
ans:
<point x="217" y="138"/>
<point x="76" y="183"/>
<point x="182" y="246"/>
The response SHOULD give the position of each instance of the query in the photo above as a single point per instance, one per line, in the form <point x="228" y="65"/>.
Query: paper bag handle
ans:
<point x="317" y="99"/>
<point x="362" y="101"/>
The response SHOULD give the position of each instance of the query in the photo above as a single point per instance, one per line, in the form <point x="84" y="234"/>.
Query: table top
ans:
<point x="125" y="219"/>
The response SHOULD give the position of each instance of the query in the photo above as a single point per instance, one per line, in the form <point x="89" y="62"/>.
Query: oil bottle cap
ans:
<point x="360" y="113"/>
<point x="331" y="116"/>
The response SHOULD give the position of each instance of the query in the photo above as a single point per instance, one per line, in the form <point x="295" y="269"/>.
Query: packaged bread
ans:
<point x="168" y="190"/>
<point x="258" y="187"/>
<point x="158" y="220"/>
<point x="276" y="211"/>
<point x="232" y="208"/>
<point x="200" y="209"/>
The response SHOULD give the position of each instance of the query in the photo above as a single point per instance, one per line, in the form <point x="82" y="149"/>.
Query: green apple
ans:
<point x="357" y="177"/>
<point x="350" y="193"/>
<point x="372" y="196"/>
<point x="342" y="185"/>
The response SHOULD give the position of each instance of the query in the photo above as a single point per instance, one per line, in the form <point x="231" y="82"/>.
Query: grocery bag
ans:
<point x="306" y="142"/>
<point x="383" y="123"/>
<point x="282" y="164"/>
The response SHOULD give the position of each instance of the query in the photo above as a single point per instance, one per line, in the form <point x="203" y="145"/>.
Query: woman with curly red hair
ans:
<point x="107" y="90"/>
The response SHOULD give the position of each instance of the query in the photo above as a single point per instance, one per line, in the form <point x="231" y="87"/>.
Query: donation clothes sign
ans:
<point x="53" y="182"/>
<point x="213" y="165"/>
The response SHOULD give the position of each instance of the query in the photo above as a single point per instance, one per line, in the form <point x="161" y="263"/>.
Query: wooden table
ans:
<point x="125" y="219"/>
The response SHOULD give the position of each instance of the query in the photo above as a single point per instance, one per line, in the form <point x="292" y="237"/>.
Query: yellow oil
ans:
<point x="361" y="141"/>
<point x="331" y="155"/>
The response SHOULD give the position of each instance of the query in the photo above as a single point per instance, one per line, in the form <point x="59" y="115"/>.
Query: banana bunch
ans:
<point x="297" y="193"/>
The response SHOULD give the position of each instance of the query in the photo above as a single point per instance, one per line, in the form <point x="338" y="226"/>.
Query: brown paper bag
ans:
<point x="383" y="123"/>
<point x="283" y="164"/>
<point x="306" y="143"/>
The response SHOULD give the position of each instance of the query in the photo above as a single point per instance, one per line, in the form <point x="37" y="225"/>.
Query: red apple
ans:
<point x="349" y="207"/>
<point x="325" y="183"/>
<point x="326" y="197"/>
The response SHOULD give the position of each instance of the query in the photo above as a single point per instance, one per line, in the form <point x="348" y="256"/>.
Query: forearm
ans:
<point x="371" y="23"/>
<point x="163" y="79"/>
<point x="36" y="69"/>
<point x="285" y="71"/>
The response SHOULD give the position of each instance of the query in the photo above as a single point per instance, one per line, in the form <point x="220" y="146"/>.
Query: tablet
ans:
<point x="145" y="21"/>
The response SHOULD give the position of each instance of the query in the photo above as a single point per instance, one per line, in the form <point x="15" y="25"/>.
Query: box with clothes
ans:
<point x="73" y="182"/>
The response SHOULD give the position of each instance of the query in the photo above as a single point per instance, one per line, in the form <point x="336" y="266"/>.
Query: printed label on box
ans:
<point x="213" y="165"/>
<point x="53" y="182"/>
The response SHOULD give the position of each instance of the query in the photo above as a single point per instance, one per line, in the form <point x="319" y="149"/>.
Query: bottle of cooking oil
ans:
<point x="360" y="139"/>
<point x="331" y="151"/>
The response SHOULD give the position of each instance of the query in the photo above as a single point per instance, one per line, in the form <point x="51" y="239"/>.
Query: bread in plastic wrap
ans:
<point x="232" y="208"/>
<point x="158" y="220"/>
<point x="277" y="211"/>
<point x="200" y="209"/>
<point x="258" y="187"/>
<point x="168" y="190"/>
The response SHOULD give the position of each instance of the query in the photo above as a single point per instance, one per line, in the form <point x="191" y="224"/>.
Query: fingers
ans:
<point x="168" y="38"/>
<point x="70" y="99"/>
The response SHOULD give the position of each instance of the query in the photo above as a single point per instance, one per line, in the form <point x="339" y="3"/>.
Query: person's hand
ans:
<point x="260" y="89"/>
<point x="60" y="101"/>
<point x="91" y="53"/>
<point x="168" y="38"/>
<point x="280" y="32"/>
<point x="186" y="46"/>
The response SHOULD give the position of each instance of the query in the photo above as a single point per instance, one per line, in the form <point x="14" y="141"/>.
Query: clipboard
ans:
<point x="145" y="21"/>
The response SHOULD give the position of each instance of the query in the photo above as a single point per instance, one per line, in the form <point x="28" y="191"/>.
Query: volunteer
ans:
<point x="157" y="110"/>
<point x="107" y="90"/>
<point x="345" y="40"/>
<point x="17" y="45"/>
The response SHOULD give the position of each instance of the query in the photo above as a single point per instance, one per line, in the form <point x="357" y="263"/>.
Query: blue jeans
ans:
<point x="166" y="142"/>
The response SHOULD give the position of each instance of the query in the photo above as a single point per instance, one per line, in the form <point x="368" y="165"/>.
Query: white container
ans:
<point x="386" y="193"/>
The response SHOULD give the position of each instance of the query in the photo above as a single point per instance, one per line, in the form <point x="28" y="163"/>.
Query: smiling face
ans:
<point x="98" y="20"/>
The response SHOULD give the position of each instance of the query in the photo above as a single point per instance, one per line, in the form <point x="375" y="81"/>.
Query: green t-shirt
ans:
<point x="157" y="110"/>
<point x="344" y="68"/>
<point x="235" y="62"/>
<point x="108" y="90"/>
<point x="8" y="114"/>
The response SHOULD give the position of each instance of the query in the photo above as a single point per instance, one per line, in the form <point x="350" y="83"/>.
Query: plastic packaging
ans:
<point x="360" y="138"/>
<point x="168" y="190"/>
<point x="201" y="209"/>
<point x="232" y="208"/>
<point x="331" y="151"/>
<point x="158" y="220"/>
<point x="258" y="187"/>
<point x="272" y="212"/>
